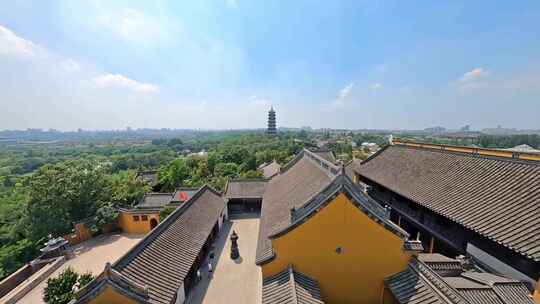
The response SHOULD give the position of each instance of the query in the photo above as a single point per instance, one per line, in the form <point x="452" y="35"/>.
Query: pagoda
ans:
<point x="271" y="122"/>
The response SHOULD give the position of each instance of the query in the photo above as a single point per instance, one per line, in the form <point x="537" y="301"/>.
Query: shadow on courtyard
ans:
<point x="233" y="281"/>
<point x="199" y="291"/>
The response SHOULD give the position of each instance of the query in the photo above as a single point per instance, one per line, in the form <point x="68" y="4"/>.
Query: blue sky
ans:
<point x="222" y="63"/>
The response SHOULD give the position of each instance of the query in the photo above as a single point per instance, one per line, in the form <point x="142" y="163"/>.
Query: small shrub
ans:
<point x="106" y="214"/>
<point x="59" y="290"/>
<point x="165" y="212"/>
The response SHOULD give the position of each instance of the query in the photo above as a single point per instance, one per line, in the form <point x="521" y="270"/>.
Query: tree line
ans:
<point x="46" y="189"/>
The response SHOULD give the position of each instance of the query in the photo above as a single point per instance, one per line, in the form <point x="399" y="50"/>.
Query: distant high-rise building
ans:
<point x="271" y="122"/>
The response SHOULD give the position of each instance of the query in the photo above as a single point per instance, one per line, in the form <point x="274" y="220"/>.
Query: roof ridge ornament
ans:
<point x="293" y="284"/>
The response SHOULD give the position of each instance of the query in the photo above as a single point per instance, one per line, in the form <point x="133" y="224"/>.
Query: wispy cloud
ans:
<point x="258" y="103"/>
<point x="377" y="86"/>
<point x="120" y="81"/>
<point x="70" y="65"/>
<point x="510" y="83"/>
<point x="13" y="45"/>
<point x="342" y="96"/>
<point x="131" y="25"/>
<point x="346" y="91"/>
<point x="473" y="75"/>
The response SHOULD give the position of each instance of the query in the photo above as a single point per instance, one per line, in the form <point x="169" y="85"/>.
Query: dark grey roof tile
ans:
<point x="498" y="198"/>
<point x="164" y="257"/>
<point x="253" y="188"/>
<point x="290" y="287"/>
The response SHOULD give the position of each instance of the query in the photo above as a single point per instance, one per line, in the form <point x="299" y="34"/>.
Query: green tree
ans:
<point x="251" y="174"/>
<point x="174" y="175"/>
<point x="226" y="170"/>
<point x="64" y="193"/>
<point x="166" y="212"/>
<point x="106" y="214"/>
<point x="126" y="190"/>
<point x="59" y="290"/>
<point x="15" y="255"/>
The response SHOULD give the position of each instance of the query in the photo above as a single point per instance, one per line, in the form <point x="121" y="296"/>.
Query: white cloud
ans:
<point x="258" y="103"/>
<point x="473" y="75"/>
<point x="346" y="91"/>
<point x="120" y="81"/>
<point x="70" y="65"/>
<point x="513" y="83"/>
<point x="342" y="96"/>
<point x="131" y="25"/>
<point x="376" y="86"/>
<point x="13" y="45"/>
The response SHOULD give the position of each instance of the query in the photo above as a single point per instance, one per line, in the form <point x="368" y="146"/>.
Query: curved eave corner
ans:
<point x="114" y="279"/>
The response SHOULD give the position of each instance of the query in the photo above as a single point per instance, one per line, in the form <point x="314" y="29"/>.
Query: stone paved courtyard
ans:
<point x="237" y="281"/>
<point x="89" y="256"/>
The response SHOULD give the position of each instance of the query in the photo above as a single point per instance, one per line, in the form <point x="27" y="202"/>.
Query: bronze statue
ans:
<point x="235" y="254"/>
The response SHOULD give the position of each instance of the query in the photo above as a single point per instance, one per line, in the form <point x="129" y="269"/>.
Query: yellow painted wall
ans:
<point x="370" y="253"/>
<point x="495" y="153"/>
<point x="111" y="296"/>
<point x="388" y="297"/>
<point x="529" y="156"/>
<point x="128" y="225"/>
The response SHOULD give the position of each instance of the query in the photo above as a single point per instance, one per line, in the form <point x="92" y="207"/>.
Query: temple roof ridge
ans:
<point x="341" y="184"/>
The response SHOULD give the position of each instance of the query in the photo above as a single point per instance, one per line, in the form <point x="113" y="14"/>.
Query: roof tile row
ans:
<point x="497" y="198"/>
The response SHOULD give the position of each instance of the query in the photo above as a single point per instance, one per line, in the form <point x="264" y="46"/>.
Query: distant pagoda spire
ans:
<point x="271" y="122"/>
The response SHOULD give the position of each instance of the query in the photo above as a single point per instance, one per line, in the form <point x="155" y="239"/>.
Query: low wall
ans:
<point x="12" y="281"/>
<point x="82" y="233"/>
<point x="47" y="270"/>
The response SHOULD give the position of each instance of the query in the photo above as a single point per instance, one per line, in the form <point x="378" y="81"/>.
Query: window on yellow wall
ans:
<point x="144" y="218"/>
<point x="135" y="218"/>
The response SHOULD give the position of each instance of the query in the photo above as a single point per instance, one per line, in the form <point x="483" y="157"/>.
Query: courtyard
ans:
<point x="89" y="256"/>
<point x="232" y="281"/>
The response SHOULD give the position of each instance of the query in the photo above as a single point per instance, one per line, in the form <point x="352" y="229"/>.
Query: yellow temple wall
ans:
<point x="388" y="297"/>
<point x="369" y="254"/>
<point x="111" y="296"/>
<point x="127" y="223"/>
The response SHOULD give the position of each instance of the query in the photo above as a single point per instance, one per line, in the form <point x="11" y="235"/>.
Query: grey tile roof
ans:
<point x="270" y="169"/>
<point x="181" y="194"/>
<point x="441" y="264"/>
<point x="343" y="184"/>
<point x="498" y="198"/>
<point x="290" y="287"/>
<point x="299" y="180"/>
<point x="150" y="177"/>
<point x="351" y="166"/>
<point x="308" y="184"/>
<point x="326" y="154"/>
<point x="408" y="287"/>
<point x="164" y="257"/>
<point x="155" y="200"/>
<point x="421" y="284"/>
<point x="253" y="188"/>
<point x="413" y="245"/>
<point x="111" y="278"/>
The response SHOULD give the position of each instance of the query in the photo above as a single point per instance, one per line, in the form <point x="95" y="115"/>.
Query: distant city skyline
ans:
<point x="103" y="65"/>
